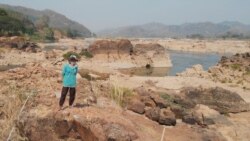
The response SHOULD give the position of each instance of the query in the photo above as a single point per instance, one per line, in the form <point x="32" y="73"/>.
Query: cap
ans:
<point x="73" y="58"/>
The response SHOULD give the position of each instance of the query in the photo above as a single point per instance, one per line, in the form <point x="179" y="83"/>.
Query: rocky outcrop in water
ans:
<point x="154" y="55"/>
<point x="118" y="47"/>
<point x="123" y="54"/>
<point x="194" y="71"/>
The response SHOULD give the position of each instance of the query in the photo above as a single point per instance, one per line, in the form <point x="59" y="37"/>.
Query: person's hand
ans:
<point x="59" y="80"/>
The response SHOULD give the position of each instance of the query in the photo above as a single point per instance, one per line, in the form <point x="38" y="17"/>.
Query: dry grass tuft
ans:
<point x="13" y="99"/>
<point x="120" y="95"/>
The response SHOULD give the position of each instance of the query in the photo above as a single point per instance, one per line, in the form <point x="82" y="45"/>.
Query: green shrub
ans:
<point x="3" y="12"/>
<point x="68" y="54"/>
<point x="166" y="97"/>
<point x="86" y="53"/>
<point x="235" y="66"/>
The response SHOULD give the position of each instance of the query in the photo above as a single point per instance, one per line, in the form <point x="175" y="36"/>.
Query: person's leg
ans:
<point x="63" y="95"/>
<point x="72" y="92"/>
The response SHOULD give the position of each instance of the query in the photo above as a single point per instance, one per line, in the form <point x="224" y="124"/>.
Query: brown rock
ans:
<point x="111" y="47"/>
<point x="153" y="113"/>
<point x="148" y="101"/>
<point x="204" y="115"/>
<point x="160" y="102"/>
<point x="136" y="106"/>
<point x="217" y="98"/>
<point x="142" y="91"/>
<point x="195" y="133"/>
<point x="190" y="119"/>
<point x="117" y="132"/>
<point x="97" y="129"/>
<point x="167" y="117"/>
<point x="62" y="128"/>
<point x="178" y="111"/>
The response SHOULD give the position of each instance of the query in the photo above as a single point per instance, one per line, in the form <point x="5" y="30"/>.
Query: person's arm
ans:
<point x="76" y="69"/>
<point x="63" y="70"/>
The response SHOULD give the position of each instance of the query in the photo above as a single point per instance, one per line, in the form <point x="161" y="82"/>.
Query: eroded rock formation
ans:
<point x="125" y="55"/>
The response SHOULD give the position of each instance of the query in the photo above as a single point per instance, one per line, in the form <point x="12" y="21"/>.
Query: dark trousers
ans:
<point x="72" y="94"/>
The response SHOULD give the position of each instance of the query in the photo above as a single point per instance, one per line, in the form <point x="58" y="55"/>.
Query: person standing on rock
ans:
<point x="69" y="73"/>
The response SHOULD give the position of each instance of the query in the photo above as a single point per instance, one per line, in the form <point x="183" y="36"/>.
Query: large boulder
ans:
<point x="101" y="130"/>
<point x="122" y="51"/>
<point x="203" y="115"/>
<point x="190" y="119"/>
<point x="122" y="46"/>
<point x="184" y="132"/>
<point x="216" y="98"/>
<point x="75" y="127"/>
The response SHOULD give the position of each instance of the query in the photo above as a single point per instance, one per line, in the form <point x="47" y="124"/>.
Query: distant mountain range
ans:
<point x="54" y="20"/>
<point x="205" y="29"/>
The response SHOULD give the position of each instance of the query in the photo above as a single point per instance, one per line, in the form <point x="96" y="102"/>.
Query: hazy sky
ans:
<point x="101" y="14"/>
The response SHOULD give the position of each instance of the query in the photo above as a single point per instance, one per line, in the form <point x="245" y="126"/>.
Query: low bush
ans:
<point x="235" y="66"/>
<point x="86" y="53"/>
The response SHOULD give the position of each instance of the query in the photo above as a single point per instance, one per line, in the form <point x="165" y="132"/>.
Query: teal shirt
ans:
<point x="69" y="75"/>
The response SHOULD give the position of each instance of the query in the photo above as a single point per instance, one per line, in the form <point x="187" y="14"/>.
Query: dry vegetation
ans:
<point x="120" y="95"/>
<point x="13" y="98"/>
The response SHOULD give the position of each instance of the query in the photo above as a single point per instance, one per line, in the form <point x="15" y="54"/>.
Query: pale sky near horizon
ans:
<point x="101" y="14"/>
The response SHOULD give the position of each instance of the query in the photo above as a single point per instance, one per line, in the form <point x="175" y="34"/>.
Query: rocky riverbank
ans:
<point x="233" y="71"/>
<point x="113" y="106"/>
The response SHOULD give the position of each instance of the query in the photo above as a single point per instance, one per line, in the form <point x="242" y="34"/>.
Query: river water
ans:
<point x="180" y="61"/>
